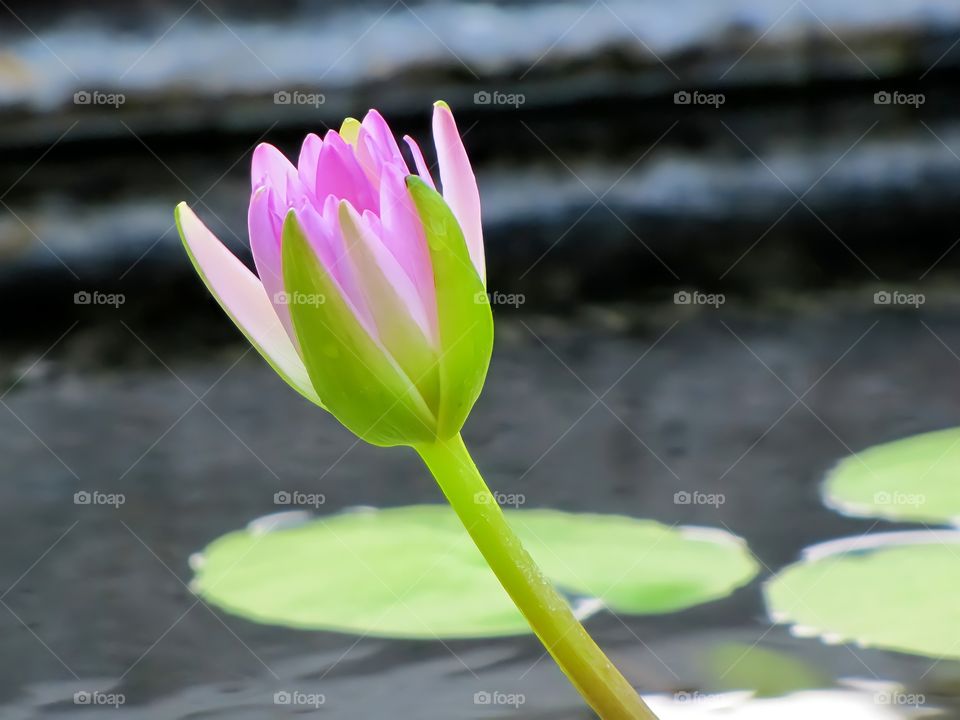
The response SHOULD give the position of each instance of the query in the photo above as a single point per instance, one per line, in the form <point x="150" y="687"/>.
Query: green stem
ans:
<point x="594" y="676"/>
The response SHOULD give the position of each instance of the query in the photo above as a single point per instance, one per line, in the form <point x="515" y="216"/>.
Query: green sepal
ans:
<point x="359" y="382"/>
<point x="398" y="331"/>
<point x="464" y="318"/>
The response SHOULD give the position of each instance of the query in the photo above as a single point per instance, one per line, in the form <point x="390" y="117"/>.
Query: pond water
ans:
<point x="706" y="401"/>
<point x="794" y="203"/>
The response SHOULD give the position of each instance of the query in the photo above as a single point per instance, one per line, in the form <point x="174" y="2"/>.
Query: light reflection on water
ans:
<point x="884" y="702"/>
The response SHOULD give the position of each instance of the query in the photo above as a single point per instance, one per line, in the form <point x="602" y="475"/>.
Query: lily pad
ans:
<point x="895" y="591"/>
<point x="916" y="478"/>
<point x="414" y="572"/>
<point x="634" y="566"/>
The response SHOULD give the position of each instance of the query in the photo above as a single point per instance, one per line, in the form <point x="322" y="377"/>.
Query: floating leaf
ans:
<point x="895" y="591"/>
<point x="916" y="478"/>
<point x="413" y="571"/>
<point x="634" y="566"/>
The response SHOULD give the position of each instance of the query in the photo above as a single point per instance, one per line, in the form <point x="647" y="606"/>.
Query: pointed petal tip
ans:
<point x="350" y="130"/>
<point x="182" y="215"/>
<point x="442" y="104"/>
<point x="415" y="181"/>
<point x="264" y="148"/>
<point x="268" y="165"/>
<point x="349" y="219"/>
<point x="458" y="181"/>
<point x="290" y="228"/>
<point x="188" y="224"/>
<point x="345" y="212"/>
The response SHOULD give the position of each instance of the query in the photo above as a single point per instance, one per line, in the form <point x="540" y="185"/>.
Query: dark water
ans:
<point x="106" y="606"/>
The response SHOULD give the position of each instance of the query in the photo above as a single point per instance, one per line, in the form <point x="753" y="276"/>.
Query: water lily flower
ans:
<point x="370" y="301"/>
<point x="370" y="298"/>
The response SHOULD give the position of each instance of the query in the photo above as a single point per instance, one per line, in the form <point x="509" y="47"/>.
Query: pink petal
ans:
<point x="368" y="155"/>
<point x="307" y="163"/>
<point x="422" y="170"/>
<point x="325" y="236"/>
<point x="339" y="174"/>
<point x="459" y="184"/>
<point x="265" y="224"/>
<point x="381" y="137"/>
<point x="374" y="222"/>
<point x="376" y="147"/>
<point x="388" y="266"/>
<point x="271" y="167"/>
<point x="242" y="296"/>
<point x="402" y="233"/>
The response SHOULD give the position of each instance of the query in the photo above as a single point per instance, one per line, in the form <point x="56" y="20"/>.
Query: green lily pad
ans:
<point x="916" y="478"/>
<point x="634" y="566"/>
<point x="895" y="591"/>
<point x="414" y="572"/>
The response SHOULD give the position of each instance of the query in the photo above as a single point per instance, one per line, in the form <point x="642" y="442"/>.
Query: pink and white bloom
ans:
<point x="368" y="281"/>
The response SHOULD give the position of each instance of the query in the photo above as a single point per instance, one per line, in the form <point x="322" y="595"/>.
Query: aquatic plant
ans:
<point x="371" y="303"/>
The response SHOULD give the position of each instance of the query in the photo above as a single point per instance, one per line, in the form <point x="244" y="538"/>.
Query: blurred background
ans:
<point x="721" y="240"/>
